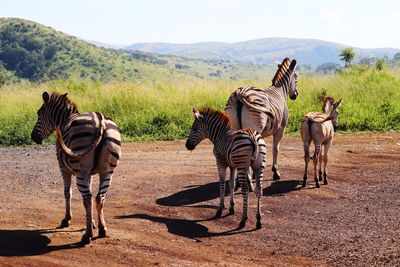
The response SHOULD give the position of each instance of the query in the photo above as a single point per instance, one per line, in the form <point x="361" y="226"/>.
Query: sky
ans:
<point x="365" y="24"/>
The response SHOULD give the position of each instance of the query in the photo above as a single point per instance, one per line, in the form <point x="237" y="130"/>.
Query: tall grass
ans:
<point x="162" y="111"/>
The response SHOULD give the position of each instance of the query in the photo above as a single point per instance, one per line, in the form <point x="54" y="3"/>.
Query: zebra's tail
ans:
<point x="80" y="154"/>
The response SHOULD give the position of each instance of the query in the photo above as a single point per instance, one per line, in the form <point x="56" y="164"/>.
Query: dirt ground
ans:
<point x="163" y="198"/>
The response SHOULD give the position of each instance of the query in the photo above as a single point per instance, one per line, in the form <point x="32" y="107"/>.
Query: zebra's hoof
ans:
<point x="64" y="223"/>
<point x="304" y="184"/>
<point x="317" y="185"/>
<point x="218" y="214"/>
<point x="325" y="182"/>
<point x="85" y="239"/>
<point x="276" y="177"/>
<point x="258" y="225"/>
<point x="231" y="211"/>
<point x="102" y="233"/>
<point x="320" y="178"/>
<point x="242" y="224"/>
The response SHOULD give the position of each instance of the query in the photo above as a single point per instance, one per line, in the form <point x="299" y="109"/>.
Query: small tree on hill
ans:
<point x="347" y="55"/>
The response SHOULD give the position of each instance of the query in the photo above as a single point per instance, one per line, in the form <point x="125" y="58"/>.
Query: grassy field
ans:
<point x="162" y="111"/>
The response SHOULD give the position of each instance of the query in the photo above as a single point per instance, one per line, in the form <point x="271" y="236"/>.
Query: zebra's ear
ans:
<point x="338" y="103"/>
<point x="197" y="114"/>
<point x="45" y="97"/>
<point x="293" y="64"/>
<point x="65" y="95"/>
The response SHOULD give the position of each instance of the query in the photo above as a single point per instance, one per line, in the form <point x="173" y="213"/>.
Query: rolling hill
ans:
<point x="39" y="53"/>
<point x="263" y="51"/>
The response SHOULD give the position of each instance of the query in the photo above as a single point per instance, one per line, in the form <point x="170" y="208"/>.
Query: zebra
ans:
<point x="236" y="149"/>
<point x="266" y="110"/>
<point x="319" y="128"/>
<point x="87" y="144"/>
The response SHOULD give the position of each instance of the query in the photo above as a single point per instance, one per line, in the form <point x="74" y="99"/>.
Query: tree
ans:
<point x="380" y="64"/>
<point x="347" y="55"/>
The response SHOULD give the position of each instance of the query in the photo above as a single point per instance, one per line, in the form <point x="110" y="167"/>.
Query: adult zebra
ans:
<point x="266" y="110"/>
<point x="87" y="144"/>
<point x="237" y="150"/>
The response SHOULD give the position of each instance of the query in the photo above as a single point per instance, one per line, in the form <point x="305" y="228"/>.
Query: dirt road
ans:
<point x="161" y="203"/>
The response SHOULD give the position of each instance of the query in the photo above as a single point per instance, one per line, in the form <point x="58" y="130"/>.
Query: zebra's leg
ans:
<point x="249" y="180"/>
<point x="320" y="165"/>
<point x="67" y="195"/>
<point x="306" y="160"/>
<point x="222" y="175"/>
<point x="242" y="174"/>
<point x="83" y="183"/>
<point x="327" y="146"/>
<point x="316" y="158"/>
<point x="258" y="173"/>
<point x="231" y="190"/>
<point x="276" y="139"/>
<point x="105" y="182"/>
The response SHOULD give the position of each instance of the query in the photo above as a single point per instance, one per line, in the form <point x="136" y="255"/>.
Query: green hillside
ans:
<point x="38" y="53"/>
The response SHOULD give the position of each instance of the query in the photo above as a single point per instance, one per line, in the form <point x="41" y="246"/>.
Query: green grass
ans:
<point x="162" y="110"/>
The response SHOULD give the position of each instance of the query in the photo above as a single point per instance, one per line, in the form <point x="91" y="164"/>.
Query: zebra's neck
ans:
<point x="280" y="91"/>
<point x="217" y="130"/>
<point x="68" y="118"/>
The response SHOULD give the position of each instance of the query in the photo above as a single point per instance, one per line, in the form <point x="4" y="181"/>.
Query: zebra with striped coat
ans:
<point x="236" y="149"/>
<point x="319" y="128"/>
<point x="266" y="110"/>
<point x="87" y="144"/>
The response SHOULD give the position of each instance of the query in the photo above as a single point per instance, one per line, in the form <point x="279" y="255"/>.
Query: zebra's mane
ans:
<point x="64" y="98"/>
<point x="328" y="102"/>
<point x="283" y="68"/>
<point x="208" y="112"/>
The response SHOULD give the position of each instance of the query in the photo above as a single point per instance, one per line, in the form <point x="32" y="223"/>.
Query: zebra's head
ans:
<point x="331" y="108"/>
<point x="286" y="77"/>
<point x="198" y="132"/>
<point x="51" y="114"/>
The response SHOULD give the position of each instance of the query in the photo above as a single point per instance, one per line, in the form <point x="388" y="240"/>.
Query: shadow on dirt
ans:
<point x="192" y="195"/>
<point x="29" y="242"/>
<point x="278" y="188"/>
<point x="199" y="193"/>
<point x="186" y="228"/>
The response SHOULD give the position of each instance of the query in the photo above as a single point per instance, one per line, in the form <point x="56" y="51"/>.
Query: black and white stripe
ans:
<point x="87" y="144"/>
<point x="266" y="110"/>
<point x="237" y="149"/>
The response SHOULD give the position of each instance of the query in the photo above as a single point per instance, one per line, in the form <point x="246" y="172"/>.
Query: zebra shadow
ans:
<point x="193" y="195"/>
<point x="186" y="228"/>
<point x="279" y="188"/>
<point x="201" y="193"/>
<point x="29" y="242"/>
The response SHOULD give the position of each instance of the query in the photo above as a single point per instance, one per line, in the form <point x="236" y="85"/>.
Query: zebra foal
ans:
<point x="87" y="144"/>
<point x="320" y="128"/>
<point x="236" y="149"/>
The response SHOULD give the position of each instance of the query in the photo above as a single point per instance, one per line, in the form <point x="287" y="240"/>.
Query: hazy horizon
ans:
<point x="123" y="22"/>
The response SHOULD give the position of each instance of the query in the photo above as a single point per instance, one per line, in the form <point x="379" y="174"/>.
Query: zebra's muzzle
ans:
<point x="294" y="96"/>
<point x="36" y="138"/>
<point x="190" y="146"/>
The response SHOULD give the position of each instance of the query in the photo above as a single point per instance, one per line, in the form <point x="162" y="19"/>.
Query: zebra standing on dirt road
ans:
<point x="266" y="110"/>
<point x="237" y="150"/>
<point x="87" y="144"/>
<point x="319" y="128"/>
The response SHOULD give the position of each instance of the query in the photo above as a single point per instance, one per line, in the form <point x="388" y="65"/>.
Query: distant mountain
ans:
<point x="38" y="53"/>
<point x="263" y="51"/>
